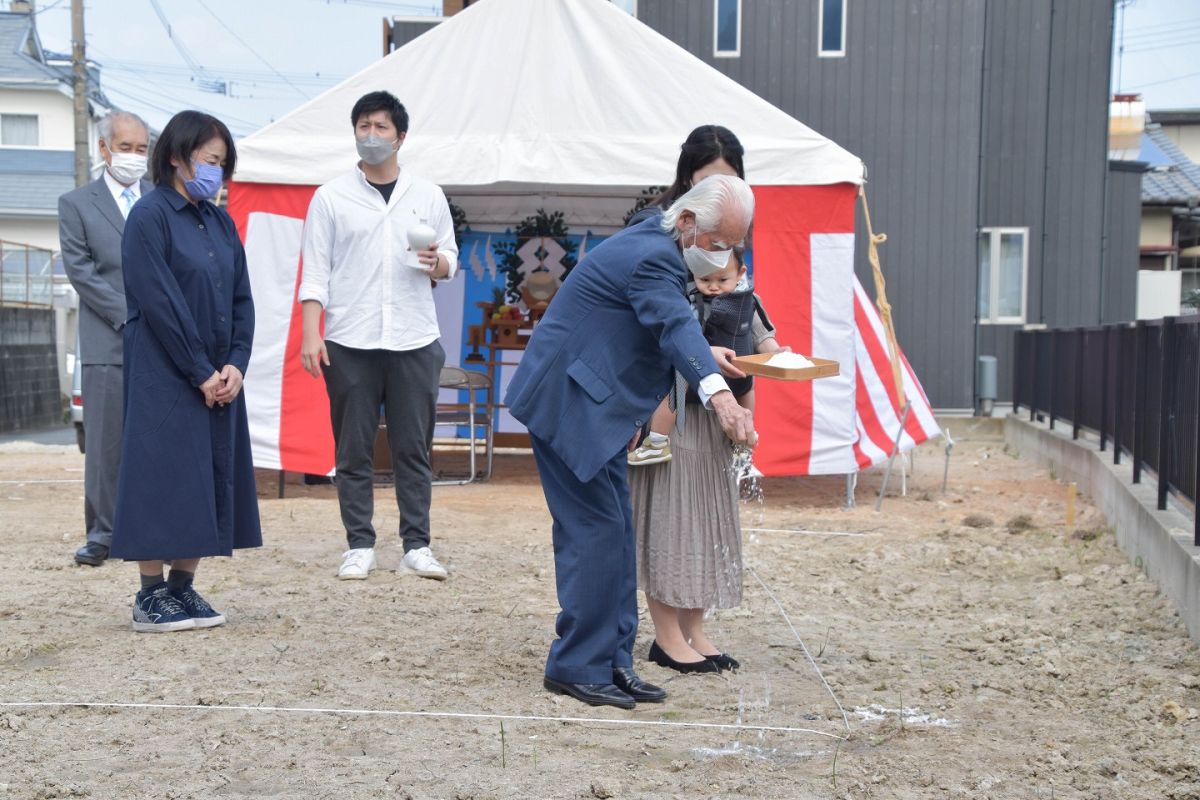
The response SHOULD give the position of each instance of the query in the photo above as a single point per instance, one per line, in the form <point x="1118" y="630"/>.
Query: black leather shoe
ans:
<point x="625" y="679"/>
<point x="594" y="694"/>
<point x="659" y="657"/>
<point x="93" y="554"/>
<point x="724" y="662"/>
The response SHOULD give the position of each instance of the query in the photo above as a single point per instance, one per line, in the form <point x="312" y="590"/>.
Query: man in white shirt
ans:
<point x="380" y="344"/>
<point x="91" y="222"/>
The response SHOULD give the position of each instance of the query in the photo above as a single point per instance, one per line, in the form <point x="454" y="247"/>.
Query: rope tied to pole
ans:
<point x="881" y="302"/>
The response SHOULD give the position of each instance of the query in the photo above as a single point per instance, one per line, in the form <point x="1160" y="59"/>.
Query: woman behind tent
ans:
<point x="685" y="510"/>
<point x="186" y="489"/>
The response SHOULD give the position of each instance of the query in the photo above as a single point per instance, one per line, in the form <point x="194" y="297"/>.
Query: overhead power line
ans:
<point x="412" y="8"/>
<point x="1166" y="80"/>
<point x="203" y="79"/>
<point x="234" y="34"/>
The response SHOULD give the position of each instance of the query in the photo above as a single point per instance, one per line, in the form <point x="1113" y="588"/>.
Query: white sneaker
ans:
<point x="422" y="562"/>
<point x="357" y="563"/>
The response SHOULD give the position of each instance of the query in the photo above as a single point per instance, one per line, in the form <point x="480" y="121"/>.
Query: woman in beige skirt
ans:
<point x="685" y="510"/>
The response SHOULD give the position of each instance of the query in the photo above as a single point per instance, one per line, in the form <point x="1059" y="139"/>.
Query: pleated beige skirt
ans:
<point x="685" y="512"/>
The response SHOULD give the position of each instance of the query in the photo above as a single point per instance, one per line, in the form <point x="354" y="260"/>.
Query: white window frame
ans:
<point x="37" y="117"/>
<point x="717" y="53"/>
<point x="994" y="235"/>
<point x="821" y="51"/>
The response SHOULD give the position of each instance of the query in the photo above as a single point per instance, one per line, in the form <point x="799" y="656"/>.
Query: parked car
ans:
<point x="77" y="402"/>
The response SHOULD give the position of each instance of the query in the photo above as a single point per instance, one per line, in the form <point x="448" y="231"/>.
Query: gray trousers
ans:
<point x="405" y="383"/>
<point x="103" y="412"/>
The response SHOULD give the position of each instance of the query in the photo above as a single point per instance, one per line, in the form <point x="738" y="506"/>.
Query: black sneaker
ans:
<point x="197" y="608"/>
<point x="157" y="611"/>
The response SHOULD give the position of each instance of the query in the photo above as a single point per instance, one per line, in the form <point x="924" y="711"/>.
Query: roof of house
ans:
<point x="1176" y="116"/>
<point x="1173" y="178"/>
<point x="32" y="180"/>
<point x="22" y="60"/>
<point x="24" y="64"/>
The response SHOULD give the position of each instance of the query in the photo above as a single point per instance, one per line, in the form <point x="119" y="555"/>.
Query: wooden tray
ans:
<point x="757" y="365"/>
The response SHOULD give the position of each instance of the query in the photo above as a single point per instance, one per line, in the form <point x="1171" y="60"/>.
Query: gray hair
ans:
<point x="712" y="199"/>
<point x="109" y="119"/>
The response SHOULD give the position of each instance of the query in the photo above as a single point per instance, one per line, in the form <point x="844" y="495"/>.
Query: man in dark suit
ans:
<point x="598" y="363"/>
<point x="91" y="221"/>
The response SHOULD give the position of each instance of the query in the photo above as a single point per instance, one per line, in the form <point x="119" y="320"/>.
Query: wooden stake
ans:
<point x="1071" y="489"/>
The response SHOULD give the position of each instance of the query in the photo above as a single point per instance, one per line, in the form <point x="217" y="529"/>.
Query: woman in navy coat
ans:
<point x="186" y="488"/>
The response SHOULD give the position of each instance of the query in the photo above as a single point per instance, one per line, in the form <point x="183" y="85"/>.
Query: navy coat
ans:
<point x="601" y="359"/>
<point x="187" y="480"/>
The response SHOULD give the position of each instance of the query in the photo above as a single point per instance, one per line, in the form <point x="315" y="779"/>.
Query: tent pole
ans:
<point x="946" y="470"/>
<point x="892" y="458"/>
<point x="851" y="482"/>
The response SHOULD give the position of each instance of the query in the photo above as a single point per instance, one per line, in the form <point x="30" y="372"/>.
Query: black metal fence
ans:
<point x="1136" y="385"/>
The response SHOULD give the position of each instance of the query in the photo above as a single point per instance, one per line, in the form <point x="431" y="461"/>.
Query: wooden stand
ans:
<point x="499" y="336"/>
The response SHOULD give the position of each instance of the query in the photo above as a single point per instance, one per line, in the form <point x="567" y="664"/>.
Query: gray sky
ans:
<point x="274" y="55"/>
<point x="1160" y="59"/>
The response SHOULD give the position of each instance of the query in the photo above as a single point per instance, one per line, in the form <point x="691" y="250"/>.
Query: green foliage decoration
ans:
<point x="538" y="225"/>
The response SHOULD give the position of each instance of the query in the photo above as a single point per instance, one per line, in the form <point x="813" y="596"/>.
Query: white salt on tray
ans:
<point x="786" y="360"/>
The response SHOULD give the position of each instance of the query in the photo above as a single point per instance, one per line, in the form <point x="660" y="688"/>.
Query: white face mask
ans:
<point x="704" y="262"/>
<point x="127" y="167"/>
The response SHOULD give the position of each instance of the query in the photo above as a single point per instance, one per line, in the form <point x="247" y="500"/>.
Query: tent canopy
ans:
<point x="568" y="97"/>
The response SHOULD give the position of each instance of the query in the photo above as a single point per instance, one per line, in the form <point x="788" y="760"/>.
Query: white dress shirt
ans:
<point x="355" y="248"/>
<point x="117" y="188"/>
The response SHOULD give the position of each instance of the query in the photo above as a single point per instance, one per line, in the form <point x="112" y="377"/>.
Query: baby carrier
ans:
<point x="727" y="320"/>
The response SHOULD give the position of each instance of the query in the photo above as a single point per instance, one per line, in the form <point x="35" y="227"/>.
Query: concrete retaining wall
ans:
<point x="1160" y="541"/>
<point x="30" y="397"/>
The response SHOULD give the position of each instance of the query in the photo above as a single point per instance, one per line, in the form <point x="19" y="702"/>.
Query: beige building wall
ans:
<point x="1187" y="137"/>
<point x="1156" y="228"/>
<point x="41" y="233"/>
<point x="54" y="110"/>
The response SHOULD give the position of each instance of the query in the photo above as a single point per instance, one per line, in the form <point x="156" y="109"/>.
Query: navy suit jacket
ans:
<point x="601" y="358"/>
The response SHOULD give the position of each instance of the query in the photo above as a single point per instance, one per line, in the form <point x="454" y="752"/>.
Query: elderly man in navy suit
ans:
<point x="597" y="364"/>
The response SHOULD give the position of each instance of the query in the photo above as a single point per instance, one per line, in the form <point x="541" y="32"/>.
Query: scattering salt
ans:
<point x="786" y="360"/>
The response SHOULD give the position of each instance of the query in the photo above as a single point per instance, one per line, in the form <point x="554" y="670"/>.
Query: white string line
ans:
<point x="55" y="480"/>
<point x="805" y="532"/>
<point x="427" y="714"/>
<point x="803" y="646"/>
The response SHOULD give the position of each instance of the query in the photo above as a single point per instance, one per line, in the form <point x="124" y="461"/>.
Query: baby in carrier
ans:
<point x="732" y="316"/>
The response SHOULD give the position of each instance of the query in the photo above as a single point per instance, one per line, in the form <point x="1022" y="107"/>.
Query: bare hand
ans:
<point x="737" y="422"/>
<point x="231" y="384"/>
<point x="724" y="357"/>
<point x="209" y="389"/>
<point x="435" y="265"/>
<point x="633" y="443"/>
<point x="313" y="354"/>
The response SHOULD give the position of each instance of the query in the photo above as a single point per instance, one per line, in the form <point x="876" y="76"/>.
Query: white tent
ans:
<point x="573" y="106"/>
<point x="517" y="100"/>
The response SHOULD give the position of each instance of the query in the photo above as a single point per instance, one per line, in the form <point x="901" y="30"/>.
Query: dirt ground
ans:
<point x="979" y="647"/>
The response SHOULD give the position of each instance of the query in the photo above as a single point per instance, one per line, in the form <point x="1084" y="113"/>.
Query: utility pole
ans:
<point x="79" y="68"/>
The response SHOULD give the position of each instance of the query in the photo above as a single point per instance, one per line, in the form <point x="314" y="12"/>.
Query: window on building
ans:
<point x="727" y="28"/>
<point x="831" y="24"/>
<point x="1003" y="269"/>
<point x="19" y="130"/>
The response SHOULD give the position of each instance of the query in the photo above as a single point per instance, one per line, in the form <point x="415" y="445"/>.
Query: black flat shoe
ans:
<point x="93" y="554"/>
<point x="724" y="662"/>
<point x="659" y="657"/>
<point x="625" y="679"/>
<point x="594" y="694"/>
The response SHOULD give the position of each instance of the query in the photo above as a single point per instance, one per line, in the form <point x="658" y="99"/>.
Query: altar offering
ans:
<point x="786" y="366"/>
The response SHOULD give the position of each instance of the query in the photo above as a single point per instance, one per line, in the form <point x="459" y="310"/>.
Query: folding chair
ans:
<point x="474" y="415"/>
